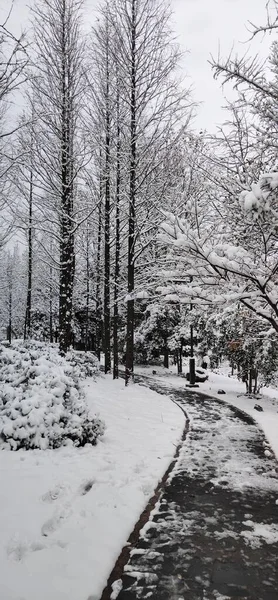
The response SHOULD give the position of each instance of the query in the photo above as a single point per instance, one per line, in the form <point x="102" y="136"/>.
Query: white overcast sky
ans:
<point x="202" y="26"/>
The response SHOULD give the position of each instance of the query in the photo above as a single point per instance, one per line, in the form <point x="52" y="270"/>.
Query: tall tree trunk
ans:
<point x="87" y="288"/>
<point x="166" y="355"/>
<point x="98" y="298"/>
<point x="10" y="308"/>
<point x="67" y="257"/>
<point x="50" y="305"/>
<point x="107" y="344"/>
<point x="117" y="250"/>
<point x="132" y="197"/>
<point x="27" y="323"/>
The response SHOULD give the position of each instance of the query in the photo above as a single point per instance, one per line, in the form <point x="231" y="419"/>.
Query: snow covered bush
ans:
<point x="42" y="404"/>
<point x="86" y="363"/>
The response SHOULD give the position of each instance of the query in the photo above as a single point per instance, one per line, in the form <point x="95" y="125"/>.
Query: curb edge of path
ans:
<point x="124" y="555"/>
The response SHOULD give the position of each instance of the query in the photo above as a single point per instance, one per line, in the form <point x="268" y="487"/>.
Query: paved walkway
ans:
<point x="214" y="532"/>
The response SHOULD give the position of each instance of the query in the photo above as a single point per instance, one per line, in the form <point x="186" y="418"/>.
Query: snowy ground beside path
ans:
<point x="235" y="395"/>
<point x="65" y="514"/>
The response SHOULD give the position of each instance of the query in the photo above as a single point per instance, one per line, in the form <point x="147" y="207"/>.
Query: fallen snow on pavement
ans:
<point x="219" y="448"/>
<point x="259" y="533"/>
<point x="65" y="514"/>
<point x="235" y="395"/>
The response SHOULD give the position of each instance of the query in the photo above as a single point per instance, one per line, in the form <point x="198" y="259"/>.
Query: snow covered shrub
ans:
<point x="86" y="362"/>
<point x="42" y="404"/>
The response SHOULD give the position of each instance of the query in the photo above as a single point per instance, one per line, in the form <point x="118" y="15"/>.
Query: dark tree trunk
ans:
<point x="166" y="357"/>
<point x="132" y="199"/>
<point x="50" y="307"/>
<point x="87" y="289"/>
<point x="117" y="250"/>
<point x="255" y="386"/>
<point x="107" y="343"/>
<point x="27" y="323"/>
<point x="98" y="299"/>
<point x="250" y="381"/>
<point x="179" y="361"/>
<point x="67" y="256"/>
<point x="10" y="301"/>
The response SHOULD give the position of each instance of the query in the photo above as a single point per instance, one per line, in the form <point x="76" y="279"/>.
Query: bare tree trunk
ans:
<point x="132" y="197"/>
<point x="250" y="380"/>
<point x="27" y="323"/>
<point x="117" y="250"/>
<point x="98" y="298"/>
<point x="10" y="308"/>
<point x="180" y="361"/>
<point x="87" y="288"/>
<point x="166" y="355"/>
<point x="107" y="344"/>
<point x="255" y="386"/>
<point x="67" y="257"/>
<point x="50" y="306"/>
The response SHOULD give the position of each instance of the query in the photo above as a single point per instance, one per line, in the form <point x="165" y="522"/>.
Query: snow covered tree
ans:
<point x="227" y="270"/>
<point x="146" y="58"/>
<point x="102" y="115"/>
<point x="232" y="255"/>
<point x="13" y="64"/>
<point x="12" y="294"/>
<point x="153" y="333"/>
<point x="59" y="86"/>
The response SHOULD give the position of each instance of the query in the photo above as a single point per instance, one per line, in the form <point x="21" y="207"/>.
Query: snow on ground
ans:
<point x="235" y="395"/>
<point x="65" y="514"/>
<point x="259" y="533"/>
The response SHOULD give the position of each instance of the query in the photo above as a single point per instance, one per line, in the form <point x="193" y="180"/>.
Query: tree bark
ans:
<point x="10" y="304"/>
<point x="98" y="299"/>
<point x="166" y="356"/>
<point x="132" y="198"/>
<point x="67" y="256"/>
<point x="107" y="343"/>
<point x="117" y="249"/>
<point x="50" y="306"/>
<point x="27" y="323"/>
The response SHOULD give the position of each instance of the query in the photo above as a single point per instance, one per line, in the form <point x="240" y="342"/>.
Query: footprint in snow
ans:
<point x="51" y="525"/>
<point x="16" y="550"/>
<point x="85" y="487"/>
<point x="53" y="494"/>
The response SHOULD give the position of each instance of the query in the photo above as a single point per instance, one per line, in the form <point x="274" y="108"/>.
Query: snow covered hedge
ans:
<point x="41" y="401"/>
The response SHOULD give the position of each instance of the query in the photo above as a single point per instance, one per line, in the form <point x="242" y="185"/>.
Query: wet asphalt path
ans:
<point x="214" y="532"/>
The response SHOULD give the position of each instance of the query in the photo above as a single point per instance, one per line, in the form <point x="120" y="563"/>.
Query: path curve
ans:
<point x="213" y="534"/>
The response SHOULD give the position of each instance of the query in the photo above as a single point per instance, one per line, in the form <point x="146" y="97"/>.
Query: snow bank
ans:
<point x="65" y="514"/>
<point x="41" y="402"/>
